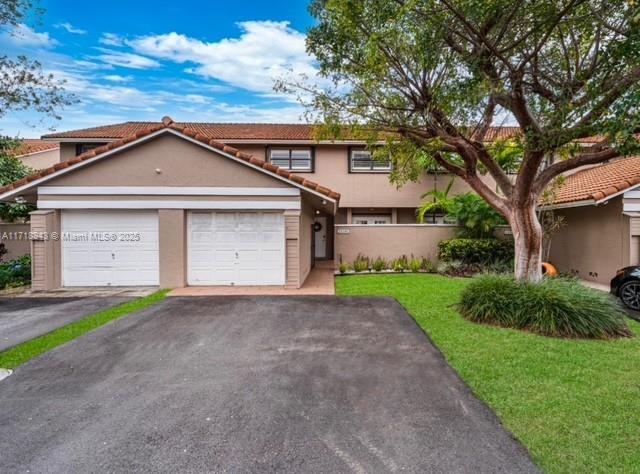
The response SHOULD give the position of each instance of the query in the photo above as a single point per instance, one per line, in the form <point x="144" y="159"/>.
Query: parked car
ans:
<point x="626" y="286"/>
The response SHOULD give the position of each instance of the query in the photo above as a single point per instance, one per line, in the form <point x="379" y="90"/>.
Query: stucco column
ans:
<point x="349" y="215"/>
<point x="172" y="230"/>
<point x="46" y="263"/>
<point x="394" y="215"/>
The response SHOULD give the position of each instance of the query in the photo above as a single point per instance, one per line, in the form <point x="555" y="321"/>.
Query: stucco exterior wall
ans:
<point x="366" y="190"/>
<point x="594" y="243"/>
<point x="15" y="240"/>
<point x="172" y="236"/>
<point x="306" y="234"/>
<point x="46" y="261"/>
<point x="166" y="161"/>
<point x="67" y="151"/>
<point x="390" y="241"/>
<point x="41" y="160"/>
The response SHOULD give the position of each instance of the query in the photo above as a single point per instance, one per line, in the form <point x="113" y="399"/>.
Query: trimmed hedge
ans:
<point x="476" y="251"/>
<point x="556" y="307"/>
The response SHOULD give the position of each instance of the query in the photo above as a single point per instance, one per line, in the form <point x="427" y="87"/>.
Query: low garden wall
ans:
<point x="390" y="241"/>
<point x="14" y="238"/>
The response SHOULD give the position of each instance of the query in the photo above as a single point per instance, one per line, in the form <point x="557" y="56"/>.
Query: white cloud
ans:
<point x="128" y="60"/>
<point x="111" y="39"/>
<point x="23" y="35"/>
<point x="265" y="51"/>
<point x="117" y="78"/>
<point x="71" y="29"/>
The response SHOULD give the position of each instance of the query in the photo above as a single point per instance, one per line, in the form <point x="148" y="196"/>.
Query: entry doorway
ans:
<point x="320" y="237"/>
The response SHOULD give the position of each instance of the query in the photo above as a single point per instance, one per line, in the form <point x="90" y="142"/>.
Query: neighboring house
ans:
<point x="601" y="208"/>
<point x="38" y="154"/>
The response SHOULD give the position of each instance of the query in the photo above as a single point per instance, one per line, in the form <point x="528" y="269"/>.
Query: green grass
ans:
<point x="573" y="403"/>
<point x="17" y="355"/>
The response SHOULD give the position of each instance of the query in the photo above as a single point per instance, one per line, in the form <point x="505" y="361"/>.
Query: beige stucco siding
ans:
<point x="366" y="189"/>
<point x="15" y="240"/>
<point x="306" y="234"/>
<point x="41" y="160"/>
<point x="390" y="241"/>
<point x="172" y="235"/>
<point x="46" y="266"/>
<point x="67" y="151"/>
<point x="166" y="160"/>
<point x="594" y="242"/>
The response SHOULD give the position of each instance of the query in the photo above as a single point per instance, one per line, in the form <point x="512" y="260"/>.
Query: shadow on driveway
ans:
<point x="251" y="384"/>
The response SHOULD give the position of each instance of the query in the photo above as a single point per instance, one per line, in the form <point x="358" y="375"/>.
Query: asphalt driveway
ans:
<point x="24" y="318"/>
<point x="246" y="384"/>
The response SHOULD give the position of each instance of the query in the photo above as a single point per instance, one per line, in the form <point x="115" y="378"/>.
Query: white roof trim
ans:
<point x="37" y="182"/>
<point x="565" y="205"/>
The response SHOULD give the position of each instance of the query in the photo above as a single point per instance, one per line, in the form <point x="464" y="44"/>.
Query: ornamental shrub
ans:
<point x="553" y="307"/>
<point x="476" y="251"/>
<point x="16" y="272"/>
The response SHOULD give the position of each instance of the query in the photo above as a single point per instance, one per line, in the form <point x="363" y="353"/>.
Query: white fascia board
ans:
<point x="165" y="191"/>
<point x="587" y="202"/>
<point x="213" y="205"/>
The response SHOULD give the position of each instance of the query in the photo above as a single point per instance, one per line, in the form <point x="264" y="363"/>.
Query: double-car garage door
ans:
<point x="121" y="248"/>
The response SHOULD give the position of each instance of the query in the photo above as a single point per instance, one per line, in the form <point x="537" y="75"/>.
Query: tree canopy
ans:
<point x="430" y="78"/>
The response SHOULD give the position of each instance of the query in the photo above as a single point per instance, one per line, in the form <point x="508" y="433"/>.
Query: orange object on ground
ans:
<point x="549" y="270"/>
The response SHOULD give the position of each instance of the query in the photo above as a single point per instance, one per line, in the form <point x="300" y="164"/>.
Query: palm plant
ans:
<point x="439" y="204"/>
<point x="476" y="218"/>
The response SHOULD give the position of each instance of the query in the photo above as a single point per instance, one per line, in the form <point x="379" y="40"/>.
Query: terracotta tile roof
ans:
<point x="167" y="122"/>
<point x="595" y="184"/>
<point x="33" y="145"/>
<point x="216" y="131"/>
<point x="233" y="131"/>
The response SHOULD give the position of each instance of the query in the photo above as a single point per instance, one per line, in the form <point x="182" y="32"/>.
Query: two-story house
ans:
<point x="206" y="203"/>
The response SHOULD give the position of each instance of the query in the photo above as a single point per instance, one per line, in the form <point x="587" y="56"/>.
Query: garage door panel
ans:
<point x="245" y="248"/>
<point x="112" y="254"/>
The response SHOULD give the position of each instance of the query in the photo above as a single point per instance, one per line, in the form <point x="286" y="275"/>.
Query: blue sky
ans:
<point x="140" y="60"/>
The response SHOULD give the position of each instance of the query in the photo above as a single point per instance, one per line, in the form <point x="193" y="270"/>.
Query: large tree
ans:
<point x="438" y="74"/>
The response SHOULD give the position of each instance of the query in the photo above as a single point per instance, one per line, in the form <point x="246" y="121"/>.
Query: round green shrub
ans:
<point x="554" y="307"/>
<point x="471" y="251"/>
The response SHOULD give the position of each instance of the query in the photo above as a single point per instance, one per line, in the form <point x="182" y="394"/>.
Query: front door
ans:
<point x="320" y="238"/>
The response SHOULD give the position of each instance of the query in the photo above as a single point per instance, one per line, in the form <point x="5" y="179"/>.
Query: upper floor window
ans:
<point x="84" y="147"/>
<point x="294" y="159"/>
<point x="363" y="161"/>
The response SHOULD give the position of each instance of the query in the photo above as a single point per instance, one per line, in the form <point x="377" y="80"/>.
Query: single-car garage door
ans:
<point x="236" y="248"/>
<point x="103" y="248"/>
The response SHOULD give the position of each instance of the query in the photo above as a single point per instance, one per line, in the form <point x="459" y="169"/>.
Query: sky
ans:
<point x="208" y="61"/>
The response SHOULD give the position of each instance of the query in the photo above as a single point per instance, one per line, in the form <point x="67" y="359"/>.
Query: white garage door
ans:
<point x="102" y="248"/>
<point x="236" y="248"/>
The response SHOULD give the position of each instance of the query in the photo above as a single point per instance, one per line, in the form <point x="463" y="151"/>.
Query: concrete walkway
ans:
<point x="320" y="282"/>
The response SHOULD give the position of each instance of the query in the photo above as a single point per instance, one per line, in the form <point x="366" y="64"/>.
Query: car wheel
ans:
<point x="630" y="295"/>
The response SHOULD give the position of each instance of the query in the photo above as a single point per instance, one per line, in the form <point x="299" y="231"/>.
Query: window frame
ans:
<point x="80" y="147"/>
<point x="290" y="149"/>
<point x="372" y="161"/>
<point x="387" y="217"/>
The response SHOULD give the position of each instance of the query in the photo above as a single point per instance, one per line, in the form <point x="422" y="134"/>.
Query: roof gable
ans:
<point x="167" y="126"/>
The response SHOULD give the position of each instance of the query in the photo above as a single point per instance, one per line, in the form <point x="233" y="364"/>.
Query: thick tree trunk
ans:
<point x="527" y="234"/>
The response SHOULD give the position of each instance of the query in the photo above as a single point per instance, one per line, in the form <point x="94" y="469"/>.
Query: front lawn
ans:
<point x="573" y="403"/>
